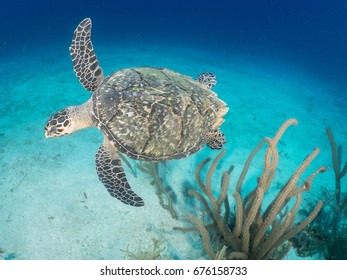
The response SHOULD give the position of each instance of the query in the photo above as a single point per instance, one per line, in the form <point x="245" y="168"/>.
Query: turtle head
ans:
<point x="59" y="124"/>
<point x="69" y="120"/>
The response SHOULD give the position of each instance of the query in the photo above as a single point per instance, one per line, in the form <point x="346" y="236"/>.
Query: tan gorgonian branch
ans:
<point x="255" y="233"/>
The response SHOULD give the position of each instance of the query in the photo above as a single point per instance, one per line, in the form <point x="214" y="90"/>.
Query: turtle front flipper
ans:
<point x="208" y="79"/>
<point x="112" y="175"/>
<point x="215" y="140"/>
<point x="85" y="63"/>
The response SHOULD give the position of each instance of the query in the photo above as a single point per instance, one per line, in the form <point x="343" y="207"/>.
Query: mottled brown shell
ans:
<point x="155" y="114"/>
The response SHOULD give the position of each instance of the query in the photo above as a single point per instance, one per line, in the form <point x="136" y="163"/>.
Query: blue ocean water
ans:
<point x="274" y="60"/>
<point x="311" y="33"/>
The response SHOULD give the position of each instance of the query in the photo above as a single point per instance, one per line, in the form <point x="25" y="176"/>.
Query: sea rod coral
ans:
<point x="252" y="232"/>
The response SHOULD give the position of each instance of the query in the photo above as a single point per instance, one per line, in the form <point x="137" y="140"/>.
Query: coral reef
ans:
<point x="340" y="204"/>
<point x="154" y="254"/>
<point x="327" y="235"/>
<point x="165" y="194"/>
<point x="250" y="232"/>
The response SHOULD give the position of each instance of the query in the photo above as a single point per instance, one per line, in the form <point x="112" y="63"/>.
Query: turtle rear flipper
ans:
<point x="216" y="140"/>
<point x="207" y="79"/>
<point x="85" y="63"/>
<point x="112" y="175"/>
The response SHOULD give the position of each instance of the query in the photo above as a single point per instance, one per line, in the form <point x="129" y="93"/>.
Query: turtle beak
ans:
<point x="50" y="131"/>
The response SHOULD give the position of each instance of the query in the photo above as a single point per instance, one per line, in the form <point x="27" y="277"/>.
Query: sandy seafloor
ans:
<point x="52" y="205"/>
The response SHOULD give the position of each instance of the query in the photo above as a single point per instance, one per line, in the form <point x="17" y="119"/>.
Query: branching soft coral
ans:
<point x="255" y="233"/>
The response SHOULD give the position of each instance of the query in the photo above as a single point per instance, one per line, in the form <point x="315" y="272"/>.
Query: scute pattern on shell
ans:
<point x="155" y="114"/>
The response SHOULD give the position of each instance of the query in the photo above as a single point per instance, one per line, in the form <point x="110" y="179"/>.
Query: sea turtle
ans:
<point x="147" y="113"/>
